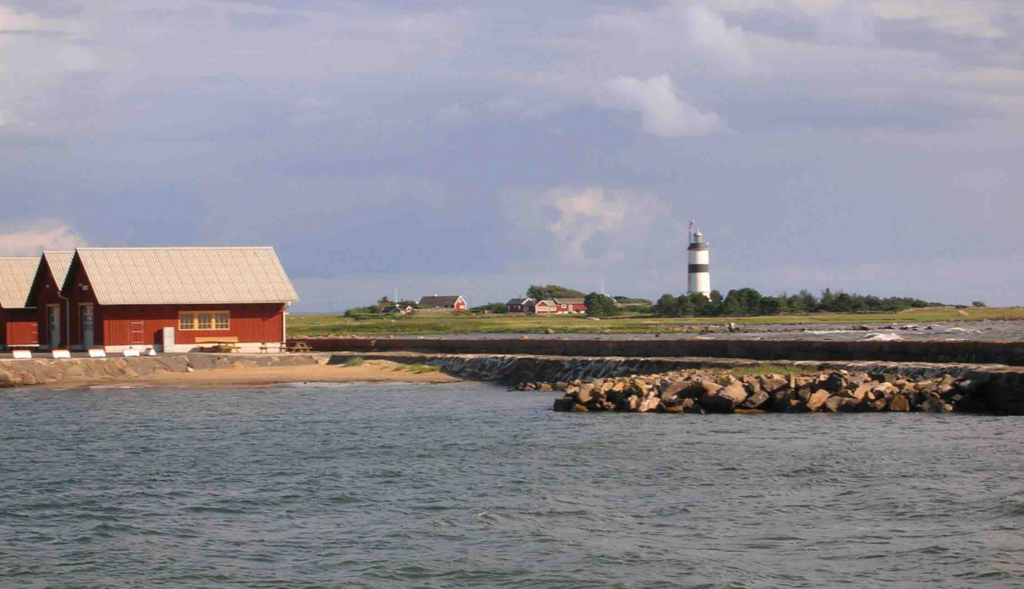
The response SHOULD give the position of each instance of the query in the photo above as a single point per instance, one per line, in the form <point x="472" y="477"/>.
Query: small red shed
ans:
<point x="126" y="297"/>
<point x="17" y="319"/>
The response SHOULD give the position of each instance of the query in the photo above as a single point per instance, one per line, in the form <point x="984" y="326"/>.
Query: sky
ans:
<point x="479" y="147"/>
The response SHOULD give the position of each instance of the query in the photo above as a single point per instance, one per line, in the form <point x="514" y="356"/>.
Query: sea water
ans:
<point x="468" y="485"/>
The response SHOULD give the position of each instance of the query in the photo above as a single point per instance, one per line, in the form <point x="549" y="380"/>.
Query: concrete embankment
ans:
<point x="943" y="351"/>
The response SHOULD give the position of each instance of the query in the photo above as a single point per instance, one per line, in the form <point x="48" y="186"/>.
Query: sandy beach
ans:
<point x="370" y="371"/>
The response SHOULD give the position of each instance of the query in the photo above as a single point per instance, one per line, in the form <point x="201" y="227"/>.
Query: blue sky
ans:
<point x="479" y="147"/>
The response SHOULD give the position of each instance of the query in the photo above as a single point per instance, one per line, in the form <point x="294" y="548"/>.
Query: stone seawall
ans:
<point x="998" y="389"/>
<point x="45" y="371"/>
<point x="946" y="351"/>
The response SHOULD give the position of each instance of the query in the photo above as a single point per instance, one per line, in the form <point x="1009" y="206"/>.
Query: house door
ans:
<point x="138" y="333"/>
<point x="88" y="326"/>
<point x="53" y="321"/>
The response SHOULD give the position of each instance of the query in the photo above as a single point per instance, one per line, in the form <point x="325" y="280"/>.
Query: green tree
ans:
<point x="702" y="306"/>
<point x="552" y="291"/>
<point x="768" y="306"/>
<point x="599" y="305"/>
<point x="685" y="307"/>
<point x="808" y="301"/>
<point x="667" y="306"/>
<point x="827" y="302"/>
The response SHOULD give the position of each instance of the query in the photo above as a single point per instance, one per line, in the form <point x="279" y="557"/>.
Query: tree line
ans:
<point x="747" y="302"/>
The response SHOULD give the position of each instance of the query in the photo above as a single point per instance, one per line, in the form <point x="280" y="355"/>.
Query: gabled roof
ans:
<point x="570" y="301"/>
<point x="16" y="276"/>
<point x="439" y="301"/>
<point x="547" y="302"/>
<point x="519" y="301"/>
<point x="60" y="265"/>
<point x="185" y="275"/>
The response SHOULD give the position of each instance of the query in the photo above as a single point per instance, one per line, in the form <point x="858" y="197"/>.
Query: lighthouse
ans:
<point x="700" y="264"/>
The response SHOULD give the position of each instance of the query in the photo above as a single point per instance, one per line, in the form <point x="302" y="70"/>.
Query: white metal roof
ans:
<point x="60" y="263"/>
<point x="16" y="276"/>
<point x="186" y="275"/>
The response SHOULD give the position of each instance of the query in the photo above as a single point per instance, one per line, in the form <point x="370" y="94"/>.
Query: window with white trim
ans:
<point x="204" y="321"/>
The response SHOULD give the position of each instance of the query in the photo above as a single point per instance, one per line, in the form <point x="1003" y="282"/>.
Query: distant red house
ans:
<point x="560" y="306"/>
<point x="441" y="304"/>
<point x="17" y="319"/>
<point x="121" y="298"/>
<point x="518" y="305"/>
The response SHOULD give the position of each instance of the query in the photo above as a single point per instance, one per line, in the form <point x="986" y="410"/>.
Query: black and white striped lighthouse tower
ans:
<point x="700" y="264"/>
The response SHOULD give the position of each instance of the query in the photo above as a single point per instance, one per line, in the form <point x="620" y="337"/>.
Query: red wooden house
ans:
<point x="127" y="297"/>
<point x="50" y="308"/>
<point x="17" y="320"/>
<point x="441" y="304"/>
<point x="560" y="306"/>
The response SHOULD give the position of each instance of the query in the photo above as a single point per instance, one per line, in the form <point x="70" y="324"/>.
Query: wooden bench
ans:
<point x="223" y="343"/>
<point x="299" y="347"/>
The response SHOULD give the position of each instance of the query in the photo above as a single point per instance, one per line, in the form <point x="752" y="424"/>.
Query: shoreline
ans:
<point x="371" y="371"/>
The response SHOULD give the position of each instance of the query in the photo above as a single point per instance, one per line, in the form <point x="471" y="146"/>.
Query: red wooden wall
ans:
<point x="121" y="325"/>
<point x="18" y="327"/>
<point x="49" y="295"/>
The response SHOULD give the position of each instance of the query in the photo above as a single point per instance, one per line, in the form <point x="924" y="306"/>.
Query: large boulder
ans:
<point x="818" y="399"/>
<point x="899" y="403"/>
<point x="773" y="382"/>
<point x="650" y="404"/>
<point x="862" y="391"/>
<point x="564" y="404"/>
<point x="834" y="383"/>
<point x="584" y="394"/>
<point x="756" y="401"/>
<point x="833" y="403"/>
<point x="725" y="399"/>
<point x="682" y="406"/>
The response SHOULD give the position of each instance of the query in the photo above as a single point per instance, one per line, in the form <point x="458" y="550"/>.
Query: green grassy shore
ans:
<point x="465" y="323"/>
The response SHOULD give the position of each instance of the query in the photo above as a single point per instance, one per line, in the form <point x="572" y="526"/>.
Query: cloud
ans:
<point x="593" y="226"/>
<point x="41" y="235"/>
<point x="709" y="35"/>
<point x="689" y="35"/>
<point x="663" y="112"/>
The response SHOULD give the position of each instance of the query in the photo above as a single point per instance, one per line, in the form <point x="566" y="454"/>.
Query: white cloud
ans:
<point x="31" y="239"/>
<point x="664" y="113"/>
<point x="688" y="35"/>
<point x="709" y="35"/>
<point x="583" y="227"/>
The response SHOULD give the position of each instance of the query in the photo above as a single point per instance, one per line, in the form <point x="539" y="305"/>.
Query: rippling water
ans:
<point x="471" y="486"/>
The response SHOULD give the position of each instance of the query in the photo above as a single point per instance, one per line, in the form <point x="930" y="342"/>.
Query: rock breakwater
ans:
<point x="993" y="388"/>
<point x="703" y="391"/>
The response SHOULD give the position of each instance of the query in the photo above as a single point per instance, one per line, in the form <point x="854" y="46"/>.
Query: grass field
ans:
<point x="438" y="323"/>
